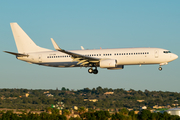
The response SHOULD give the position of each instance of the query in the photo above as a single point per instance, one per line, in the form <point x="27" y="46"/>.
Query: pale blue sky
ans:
<point x="92" y="24"/>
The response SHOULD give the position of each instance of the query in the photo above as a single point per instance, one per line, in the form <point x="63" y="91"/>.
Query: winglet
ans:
<point x="55" y="45"/>
<point x="82" y="47"/>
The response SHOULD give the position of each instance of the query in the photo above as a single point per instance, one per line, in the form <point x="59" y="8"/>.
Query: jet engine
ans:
<point x="108" y="63"/>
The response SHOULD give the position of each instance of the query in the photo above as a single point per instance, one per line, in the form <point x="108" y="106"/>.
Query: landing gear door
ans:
<point x="156" y="53"/>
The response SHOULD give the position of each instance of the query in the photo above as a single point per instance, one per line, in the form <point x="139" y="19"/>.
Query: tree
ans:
<point x="145" y="115"/>
<point x="61" y="117"/>
<point x="49" y="109"/>
<point x="77" y="118"/>
<point x="66" y="113"/>
<point x="55" y="111"/>
<point x="102" y="115"/>
<point x="154" y="116"/>
<point x="99" y="90"/>
<point x="63" y="89"/>
<point x="81" y="110"/>
<point x="124" y="112"/>
<point x="88" y="116"/>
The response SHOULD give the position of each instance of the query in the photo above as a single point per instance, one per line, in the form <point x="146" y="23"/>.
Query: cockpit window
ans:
<point x="166" y="51"/>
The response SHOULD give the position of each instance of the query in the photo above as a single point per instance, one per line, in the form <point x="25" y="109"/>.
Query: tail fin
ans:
<point x="24" y="43"/>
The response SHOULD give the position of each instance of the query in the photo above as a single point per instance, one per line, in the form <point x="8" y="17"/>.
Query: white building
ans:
<point x="174" y="111"/>
<point x="49" y="95"/>
<point x="75" y="107"/>
<point x="143" y="108"/>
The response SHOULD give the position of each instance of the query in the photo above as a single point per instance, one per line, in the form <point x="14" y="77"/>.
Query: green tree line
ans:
<point x="10" y="98"/>
<point x="124" y="114"/>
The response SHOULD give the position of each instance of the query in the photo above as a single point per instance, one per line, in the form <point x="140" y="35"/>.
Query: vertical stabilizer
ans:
<point x="24" y="43"/>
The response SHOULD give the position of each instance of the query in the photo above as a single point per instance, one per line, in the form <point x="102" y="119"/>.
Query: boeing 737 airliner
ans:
<point x="111" y="59"/>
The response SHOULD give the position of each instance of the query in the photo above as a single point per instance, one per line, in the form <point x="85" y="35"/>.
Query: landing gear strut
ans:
<point x="91" y="70"/>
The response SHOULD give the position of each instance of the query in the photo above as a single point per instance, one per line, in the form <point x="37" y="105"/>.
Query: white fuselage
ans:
<point x="124" y="56"/>
<point x="104" y="58"/>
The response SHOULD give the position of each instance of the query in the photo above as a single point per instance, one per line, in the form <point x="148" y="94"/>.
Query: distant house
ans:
<point x="86" y="99"/>
<point x="46" y="92"/>
<point x="168" y="106"/>
<point x="3" y="97"/>
<point x="143" y="108"/>
<point x="136" y="112"/>
<point x="109" y="93"/>
<point x="155" y="107"/>
<point x="36" y="112"/>
<point x="130" y="109"/>
<point x="140" y="100"/>
<point x="75" y="107"/>
<point x="11" y="98"/>
<point x="27" y="94"/>
<point x="75" y="114"/>
<point x="18" y="112"/>
<point x="175" y="104"/>
<point x="158" y="107"/>
<point x="49" y="95"/>
<point x="92" y="100"/>
<point x="129" y="91"/>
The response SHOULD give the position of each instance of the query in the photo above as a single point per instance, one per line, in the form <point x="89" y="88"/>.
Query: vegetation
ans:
<point x="38" y="99"/>
<point x="9" y="115"/>
<point x="98" y="115"/>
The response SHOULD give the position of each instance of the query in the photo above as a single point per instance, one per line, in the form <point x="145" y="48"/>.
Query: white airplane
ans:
<point x="111" y="59"/>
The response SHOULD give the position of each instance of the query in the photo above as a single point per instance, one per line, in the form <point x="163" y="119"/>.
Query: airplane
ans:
<point x="111" y="59"/>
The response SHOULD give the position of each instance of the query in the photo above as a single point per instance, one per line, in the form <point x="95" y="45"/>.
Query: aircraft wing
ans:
<point x="17" y="54"/>
<point x="82" y="59"/>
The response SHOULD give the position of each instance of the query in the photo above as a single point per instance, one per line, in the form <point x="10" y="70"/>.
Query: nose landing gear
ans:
<point x="91" y="70"/>
<point x="160" y="68"/>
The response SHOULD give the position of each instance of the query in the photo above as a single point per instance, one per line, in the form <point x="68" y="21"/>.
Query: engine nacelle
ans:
<point x="108" y="63"/>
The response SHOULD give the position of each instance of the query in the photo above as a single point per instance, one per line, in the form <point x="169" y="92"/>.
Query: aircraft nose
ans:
<point x="174" y="56"/>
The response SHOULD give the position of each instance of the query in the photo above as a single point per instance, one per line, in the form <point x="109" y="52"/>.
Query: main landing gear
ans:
<point x="91" y="70"/>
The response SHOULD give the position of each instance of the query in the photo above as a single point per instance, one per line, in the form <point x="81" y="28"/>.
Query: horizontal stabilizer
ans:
<point x="17" y="54"/>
